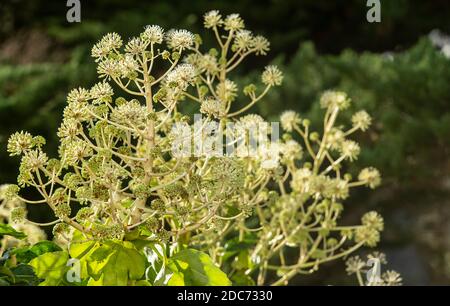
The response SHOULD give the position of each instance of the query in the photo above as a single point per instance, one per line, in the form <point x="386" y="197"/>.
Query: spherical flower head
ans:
<point x="213" y="107"/>
<point x="128" y="66"/>
<point x="107" y="232"/>
<point x="370" y="176"/>
<point x="61" y="229"/>
<point x="135" y="46"/>
<point x="158" y="204"/>
<point x="335" y="138"/>
<point x="233" y="22"/>
<point x="212" y="19"/>
<point x="333" y="99"/>
<point x="320" y="186"/>
<point x="75" y="151"/>
<point x="19" y="143"/>
<point x="227" y="90"/>
<point x="361" y="120"/>
<point x="368" y="236"/>
<point x="131" y="111"/>
<point x="34" y="160"/>
<point x="179" y="39"/>
<point x="373" y="220"/>
<point x="77" y="111"/>
<point x="228" y="171"/>
<point x="175" y="190"/>
<point x="289" y="119"/>
<point x="243" y="40"/>
<point x="84" y="194"/>
<point x="153" y="34"/>
<point x="78" y="95"/>
<point x="18" y="214"/>
<point x="109" y="68"/>
<point x="250" y="123"/>
<point x="301" y="180"/>
<point x="338" y="189"/>
<point x="101" y="92"/>
<point x="392" y="278"/>
<point x="208" y="63"/>
<point x="272" y="76"/>
<point x="10" y="192"/>
<point x="182" y="76"/>
<point x="350" y="149"/>
<point x="269" y="156"/>
<point x="63" y="210"/>
<point x="261" y="45"/>
<point x="109" y="43"/>
<point x="354" y="265"/>
<point x="291" y="150"/>
<point x="69" y="129"/>
<point x="164" y="235"/>
<point x="141" y="191"/>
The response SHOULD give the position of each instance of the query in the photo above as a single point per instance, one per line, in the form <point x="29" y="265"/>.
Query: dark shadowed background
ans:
<point x="393" y="69"/>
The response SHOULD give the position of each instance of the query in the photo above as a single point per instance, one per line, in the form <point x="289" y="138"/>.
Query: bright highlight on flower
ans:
<point x="289" y="119"/>
<point x="272" y="76"/>
<point x="19" y="143"/>
<point x="153" y="34"/>
<point x="233" y="22"/>
<point x="109" y="43"/>
<point x="179" y="39"/>
<point x="212" y="19"/>
<point x="334" y="99"/>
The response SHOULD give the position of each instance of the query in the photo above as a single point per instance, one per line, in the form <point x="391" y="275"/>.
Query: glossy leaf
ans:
<point x="194" y="268"/>
<point x="8" y="230"/>
<point x="51" y="267"/>
<point x="24" y="255"/>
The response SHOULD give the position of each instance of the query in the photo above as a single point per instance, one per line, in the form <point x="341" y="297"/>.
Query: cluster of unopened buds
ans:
<point x="116" y="158"/>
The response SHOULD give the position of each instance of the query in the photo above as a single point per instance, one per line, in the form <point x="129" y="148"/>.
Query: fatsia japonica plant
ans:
<point x="142" y="195"/>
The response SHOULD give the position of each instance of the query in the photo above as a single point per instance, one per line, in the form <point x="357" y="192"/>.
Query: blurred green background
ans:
<point x="392" y="69"/>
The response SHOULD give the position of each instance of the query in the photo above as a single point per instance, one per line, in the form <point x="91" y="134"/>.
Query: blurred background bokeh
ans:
<point x="398" y="70"/>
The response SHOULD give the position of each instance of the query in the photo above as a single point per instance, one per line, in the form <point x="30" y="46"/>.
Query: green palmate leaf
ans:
<point x="4" y="281"/>
<point x="110" y="263"/>
<point x="5" y="271"/>
<point x="24" y="255"/>
<point x="24" y="275"/>
<point x="6" y="229"/>
<point x="51" y="267"/>
<point x="194" y="268"/>
<point x="80" y="245"/>
<point x="123" y="263"/>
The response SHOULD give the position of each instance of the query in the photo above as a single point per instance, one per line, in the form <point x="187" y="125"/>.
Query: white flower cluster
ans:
<point x="334" y="99"/>
<point x="213" y="107"/>
<point x="245" y="41"/>
<point x="272" y="76"/>
<point x="179" y="39"/>
<point x="109" y="43"/>
<point x="370" y="176"/>
<point x="182" y="76"/>
<point x="153" y="34"/>
<point x="289" y="119"/>
<point x="212" y="19"/>
<point x="361" y="120"/>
